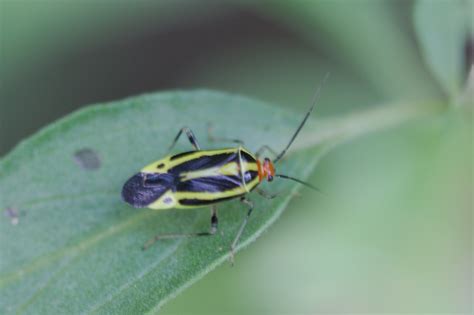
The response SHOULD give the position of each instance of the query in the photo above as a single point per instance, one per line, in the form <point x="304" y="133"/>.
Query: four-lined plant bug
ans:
<point x="202" y="178"/>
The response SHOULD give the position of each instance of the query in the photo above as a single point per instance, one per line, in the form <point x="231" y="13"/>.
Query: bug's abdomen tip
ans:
<point x="138" y="194"/>
<point x="130" y="191"/>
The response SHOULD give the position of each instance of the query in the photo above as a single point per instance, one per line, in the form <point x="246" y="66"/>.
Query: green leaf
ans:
<point x="443" y="28"/>
<point x="70" y="245"/>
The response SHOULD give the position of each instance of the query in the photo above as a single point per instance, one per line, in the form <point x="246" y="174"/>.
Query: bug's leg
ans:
<point x="191" y="137"/>
<point x="212" y="138"/>
<point x="212" y="231"/>
<point x="266" y="194"/>
<point x="242" y="226"/>
<point x="263" y="148"/>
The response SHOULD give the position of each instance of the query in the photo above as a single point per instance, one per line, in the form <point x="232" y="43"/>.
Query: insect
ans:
<point x="201" y="178"/>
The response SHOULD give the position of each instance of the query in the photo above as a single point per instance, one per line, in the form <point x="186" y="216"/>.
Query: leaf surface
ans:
<point x="70" y="245"/>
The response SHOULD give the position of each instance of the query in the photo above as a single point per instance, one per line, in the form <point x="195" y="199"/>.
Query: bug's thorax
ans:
<point x="266" y="170"/>
<point x="248" y="169"/>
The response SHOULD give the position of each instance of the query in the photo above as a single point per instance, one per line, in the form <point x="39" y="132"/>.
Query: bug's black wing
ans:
<point x="217" y="186"/>
<point x="143" y="189"/>
<point x="202" y="161"/>
<point x="211" y="184"/>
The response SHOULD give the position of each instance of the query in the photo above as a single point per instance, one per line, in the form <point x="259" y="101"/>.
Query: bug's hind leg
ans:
<point x="241" y="229"/>
<point x="212" y="138"/>
<point x="212" y="231"/>
<point x="191" y="137"/>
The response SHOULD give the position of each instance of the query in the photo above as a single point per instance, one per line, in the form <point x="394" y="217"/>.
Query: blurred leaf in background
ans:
<point x="443" y="29"/>
<point x="393" y="232"/>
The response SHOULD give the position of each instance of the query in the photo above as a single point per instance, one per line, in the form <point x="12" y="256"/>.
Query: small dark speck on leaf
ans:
<point x="12" y="214"/>
<point x="468" y="54"/>
<point x="88" y="159"/>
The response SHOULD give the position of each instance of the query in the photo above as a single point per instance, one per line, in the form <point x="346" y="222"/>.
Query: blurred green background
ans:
<point x="393" y="231"/>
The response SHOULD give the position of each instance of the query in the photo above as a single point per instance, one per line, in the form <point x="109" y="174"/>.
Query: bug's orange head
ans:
<point x="266" y="170"/>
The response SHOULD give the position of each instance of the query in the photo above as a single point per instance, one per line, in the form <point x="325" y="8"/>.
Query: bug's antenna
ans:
<point x="298" y="181"/>
<point x="313" y="103"/>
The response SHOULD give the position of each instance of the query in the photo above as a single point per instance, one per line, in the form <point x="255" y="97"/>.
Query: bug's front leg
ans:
<point x="265" y="194"/>
<point x="212" y="231"/>
<point x="241" y="229"/>
<point x="191" y="137"/>
<point x="267" y="148"/>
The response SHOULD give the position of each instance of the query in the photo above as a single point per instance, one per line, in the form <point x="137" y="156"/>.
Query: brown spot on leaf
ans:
<point x="87" y="159"/>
